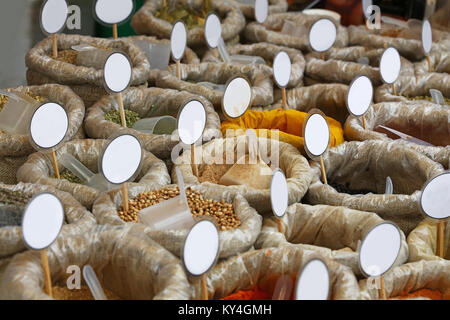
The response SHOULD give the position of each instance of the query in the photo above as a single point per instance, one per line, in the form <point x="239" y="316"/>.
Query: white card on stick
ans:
<point x="322" y="35"/>
<point x="117" y="72"/>
<point x="213" y="30"/>
<point x="178" y="40"/>
<point x="113" y="11"/>
<point x="191" y="122"/>
<point x="390" y="65"/>
<point x="237" y="97"/>
<point x="279" y="193"/>
<point x="316" y="134"/>
<point x="427" y="38"/>
<point x="359" y="96"/>
<point x="48" y="126"/>
<point x="42" y="221"/>
<point x="313" y="281"/>
<point x="261" y="10"/>
<point x="282" y="69"/>
<point x="435" y="197"/>
<point x="53" y="16"/>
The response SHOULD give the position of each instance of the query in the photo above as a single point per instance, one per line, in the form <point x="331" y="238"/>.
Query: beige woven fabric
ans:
<point x="19" y="145"/>
<point x="260" y="80"/>
<point x="268" y="52"/>
<point x="334" y="232"/>
<point x="410" y="277"/>
<point x="365" y="165"/>
<point x="39" y="169"/>
<point x="232" y="21"/>
<point x="423" y="239"/>
<point x="127" y="264"/>
<point x="275" y="6"/>
<point x="421" y="120"/>
<point x="77" y="219"/>
<point x="42" y="68"/>
<point x="232" y="241"/>
<point x="9" y="167"/>
<point x="270" y="31"/>
<point x="149" y="102"/>
<point x="293" y="164"/>
<point x="264" y="267"/>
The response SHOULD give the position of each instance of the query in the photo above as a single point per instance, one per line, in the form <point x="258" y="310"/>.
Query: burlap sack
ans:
<point x="421" y="120"/>
<point x="268" y="52"/>
<point x="365" y="165"/>
<point x="334" y="232"/>
<point x="9" y="167"/>
<point x="39" y="169"/>
<point x="77" y="219"/>
<point x="275" y="6"/>
<point x="127" y="264"/>
<point x="86" y="82"/>
<point x="422" y="241"/>
<point x="264" y="267"/>
<point x="270" y="31"/>
<point x="232" y="21"/>
<point x="440" y="63"/>
<point x="189" y="55"/>
<point x="232" y="241"/>
<point x="19" y="145"/>
<point x="293" y="164"/>
<point x="410" y="277"/>
<point x="149" y="102"/>
<point x="260" y="80"/>
<point x="418" y="85"/>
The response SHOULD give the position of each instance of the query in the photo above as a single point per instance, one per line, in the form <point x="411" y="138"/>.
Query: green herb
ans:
<point x="130" y="116"/>
<point x="69" y="176"/>
<point x="428" y="98"/>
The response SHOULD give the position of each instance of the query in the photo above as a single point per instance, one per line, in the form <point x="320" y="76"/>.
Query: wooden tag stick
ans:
<point x="363" y="122"/>
<point x="204" y="287"/>
<point x="55" y="165"/>
<point x="385" y="45"/>
<point x="123" y="119"/>
<point x="322" y="167"/>
<point x="393" y="89"/>
<point x="280" y="225"/>
<point x="283" y="96"/>
<point x="125" y="197"/>
<point x="440" y="239"/>
<point x="193" y="164"/>
<point x="216" y="53"/>
<point x="55" y="45"/>
<point x="382" y="291"/>
<point x="429" y="62"/>
<point x="178" y="69"/>
<point x="47" y="277"/>
<point x="323" y="56"/>
<point x="114" y="30"/>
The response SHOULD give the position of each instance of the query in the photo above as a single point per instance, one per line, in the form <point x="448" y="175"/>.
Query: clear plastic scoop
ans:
<point x="437" y="96"/>
<point x="406" y="137"/>
<point x="283" y="288"/>
<point x="158" y="54"/>
<point x="239" y="58"/>
<point x="16" y="114"/>
<point x="157" y="125"/>
<point x="213" y="86"/>
<point x="389" y="189"/>
<point x="94" y="285"/>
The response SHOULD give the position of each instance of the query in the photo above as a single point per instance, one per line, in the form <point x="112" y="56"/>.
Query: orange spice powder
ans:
<point x="255" y="294"/>
<point x="425" y="293"/>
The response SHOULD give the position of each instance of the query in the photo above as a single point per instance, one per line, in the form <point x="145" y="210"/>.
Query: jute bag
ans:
<point x="275" y="6"/>
<point x="78" y="220"/>
<point x="334" y="232"/>
<point x="440" y="63"/>
<point x="365" y="166"/>
<point x="268" y="52"/>
<point x="39" y="169"/>
<point x="232" y="241"/>
<point x="410" y="277"/>
<point x="189" y="55"/>
<point x="422" y="241"/>
<point x="270" y="31"/>
<point x="264" y="267"/>
<point x="293" y="164"/>
<point x="260" y="80"/>
<point x="232" y="21"/>
<point x="127" y="264"/>
<point x="421" y="120"/>
<point x="85" y="82"/>
<point x="149" y="102"/>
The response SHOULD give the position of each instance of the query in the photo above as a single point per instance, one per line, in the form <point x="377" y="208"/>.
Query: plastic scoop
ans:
<point x="171" y="214"/>
<point x="283" y="288"/>
<point x="94" y="285"/>
<point x="406" y="137"/>
<point x="389" y="189"/>
<point x="90" y="56"/>
<point x="393" y="21"/>
<point x="292" y="29"/>
<point x="363" y="60"/>
<point x="157" y="125"/>
<point x="16" y="114"/>
<point x="244" y="59"/>
<point x="213" y="86"/>
<point x="437" y="96"/>
<point x="91" y="179"/>
<point x="158" y="54"/>
<point x="248" y="2"/>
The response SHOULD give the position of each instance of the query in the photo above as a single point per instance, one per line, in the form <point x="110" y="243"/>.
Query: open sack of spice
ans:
<point x="422" y="241"/>
<point x="263" y="55"/>
<point x="208" y="79"/>
<point x="78" y="162"/>
<point x="151" y="116"/>
<point x="290" y="29"/>
<point x="167" y="215"/>
<point x="227" y="166"/>
<point x="334" y="232"/>
<point x="156" y="19"/>
<point x="80" y="64"/>
<point x="253" y="275"/>
<point x="247" y="7"/>
<point x="280" y="124"/>
<point x="157" y="52"/>
<point x="357" y="173"/>
<point x="13" y="200"/>
<point x="415" y="280"/>
<point x="128" y="265"/>
<point x="421" y="126"/>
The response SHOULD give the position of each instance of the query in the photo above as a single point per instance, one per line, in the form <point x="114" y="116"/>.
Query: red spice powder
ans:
<point x="425" y="293"/>
<point x="255" y="294"/>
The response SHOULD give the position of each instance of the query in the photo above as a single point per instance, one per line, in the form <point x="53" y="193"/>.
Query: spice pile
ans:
<point x="69" y="56"/>
<point x="427" y="98"/>
<point x="63" y="293"/>
<point x="213" y="172"/>
<point x="130" y="116"/>
<point x="4" y="99"/>
<point x="191" y="17"/>
<point x="346" y="188"/>
<point x="425" y="293"/>
<point x="16" y="198"/>
<point x="221" y="211"/>
<point x="254" y="294"/>
<point x="10" y="216"/>
<point x="69" y="176"/>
